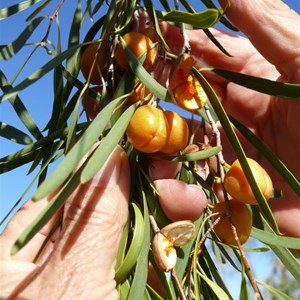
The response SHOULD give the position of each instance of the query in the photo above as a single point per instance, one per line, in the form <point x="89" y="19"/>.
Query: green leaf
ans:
<point x="13" y="134"/>
<point x="157" y="89"/>
<point x="139" y="281"/>
<point x="203" y="19"/>
<point x="244" y="293"/>
<point x="20" y="109"/>
<point x="198" y="155"/>
<point x="11" y="49"/>
<point x="219" y="292"/>
<point x="39" y="9"/>
<point x="107" y="145"/>
<point x="266" y="86"/>
<point x="81" y="148"/>
<point x="16" y="8"/>
<point x="277" y="294"/>
<point x="38" y="74"/>
<point x="274" y="239"/>
<point x="135" y="245"/>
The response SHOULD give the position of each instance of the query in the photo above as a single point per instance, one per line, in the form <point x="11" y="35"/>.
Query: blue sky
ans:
<point x="38" y="98"/>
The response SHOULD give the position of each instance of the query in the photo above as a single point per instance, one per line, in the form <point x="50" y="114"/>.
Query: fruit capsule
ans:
<point x="237" y="185"/>
<point x="179" y="233"/>
<point x="184" y="86"/>
<point x="178" y="133"/>
<point x="87" y="59"/>
<point x="139" y="44"/>
<point x="164" y="252"/>
<point x="90" y="104"/>
<point x="241" y="218"/>
<point x="148" y="129"/>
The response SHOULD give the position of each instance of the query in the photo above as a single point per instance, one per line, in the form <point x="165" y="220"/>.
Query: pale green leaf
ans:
<point x="203" y="19"/>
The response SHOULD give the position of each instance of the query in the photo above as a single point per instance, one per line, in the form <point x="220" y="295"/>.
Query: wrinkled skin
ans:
<point x="79" y="261"/>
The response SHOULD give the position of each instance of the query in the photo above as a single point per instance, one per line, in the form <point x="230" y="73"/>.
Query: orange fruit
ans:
<point x="241" y="218"/>
<point x="237" y="185"/>
<point x="178" y="133"/>
<point x="148" y="129"/>
<point x="87" y="59"/>
<point x="139" y="44"/>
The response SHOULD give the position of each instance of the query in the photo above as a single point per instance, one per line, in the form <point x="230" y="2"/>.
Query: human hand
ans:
<point x="78" y="262"/>
<point x="271" y="51"/>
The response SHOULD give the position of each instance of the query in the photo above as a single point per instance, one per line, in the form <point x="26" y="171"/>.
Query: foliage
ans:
<point x="69" y="135"/>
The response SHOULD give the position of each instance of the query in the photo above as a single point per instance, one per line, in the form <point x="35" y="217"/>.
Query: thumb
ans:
<point x="273" y="28"/>
<point x="82" y="263"/>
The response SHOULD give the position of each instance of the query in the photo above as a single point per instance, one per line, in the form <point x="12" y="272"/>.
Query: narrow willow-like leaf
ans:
<point x="153" y="15"/>
<point x="7" y="166"/>
<point x="215" y="288"/>
<point x="16" y="8"/>
<point x="214" y="271"/>
<point x="274" y="239"/>
<point x="20" y="109"/>
<point x="139" y="281"/>
<point x="276" y="163"/>
<point x="194" y="156"/>
<point x="14" y="134"/>
<point x="266" y="86"/>
<point x="107" y="145"/>
<point x="85" y="143"/>
<point x="223" y="20"/>
<point x="203" y="19"/>
<point x="11" y="49"/>
<point x="286" y="257"/>
<point x="38" y="74"/>
<point x="279" y="295"/>
<point x="153" y="294"/>
<point x="135" y="247"/>
<point x="183" y="259"/>
<point x="239" y="151"/>
<point x="36" y="11"/>
<point x="122" y="245"/>
<point x="244" y="293"/>
<point x="123" y="289"/>
<point x="157" y="89"/>
<point x="71" y="138"/>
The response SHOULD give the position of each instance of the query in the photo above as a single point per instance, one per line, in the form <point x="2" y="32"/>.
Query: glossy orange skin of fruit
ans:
<point x="87" y="59"/>
<point x="148" y="129"/>
<point x="241" y="218"/>
<point x="139" y="44"/>
<point x="178" y="133"/>
<point x="237" y="185"/>
<point x="91" y="105"/>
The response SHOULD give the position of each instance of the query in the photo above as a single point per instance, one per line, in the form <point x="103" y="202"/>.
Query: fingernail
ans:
<point x="109" y="174"/>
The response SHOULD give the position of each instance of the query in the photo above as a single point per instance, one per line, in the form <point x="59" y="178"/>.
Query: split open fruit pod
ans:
<point x="184" y="86"/>
<point x="176" y="234"/>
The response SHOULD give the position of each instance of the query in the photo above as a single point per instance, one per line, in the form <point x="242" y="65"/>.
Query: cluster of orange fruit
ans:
<point x="153" y="130"/>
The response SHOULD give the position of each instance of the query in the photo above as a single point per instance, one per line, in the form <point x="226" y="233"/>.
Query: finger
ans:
<point x="179" y="200"/>
<point x="273" y="28"/>
<point x="83" y="259"/>
<point x="16" y="226"/>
